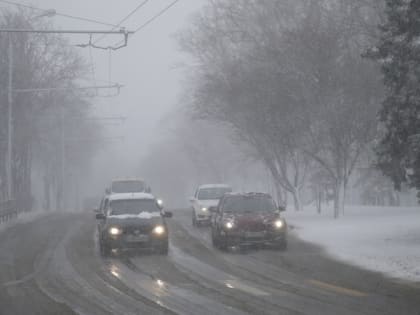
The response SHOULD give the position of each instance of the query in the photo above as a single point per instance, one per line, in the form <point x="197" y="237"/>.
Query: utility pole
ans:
<point x="10" y="123"/>
<point x="62" y="159"/>
<point x="9" y="159"/>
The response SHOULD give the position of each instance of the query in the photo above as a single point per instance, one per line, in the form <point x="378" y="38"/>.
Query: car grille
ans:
<point x="253" y="227"/>
<point x="135" y="230"/>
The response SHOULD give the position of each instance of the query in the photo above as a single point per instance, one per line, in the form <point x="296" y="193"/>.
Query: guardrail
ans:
<point x="8" y="211"/>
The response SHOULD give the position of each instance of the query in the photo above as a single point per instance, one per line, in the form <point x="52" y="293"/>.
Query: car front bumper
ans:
<point x="203" y="217"/>
<point x="241" y="238"/>
<point x="124" y="243"/>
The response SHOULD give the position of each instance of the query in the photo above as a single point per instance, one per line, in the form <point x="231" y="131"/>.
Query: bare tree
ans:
<point x="40" y="61"/>
<point x="241" y="83"/>
<point x="289" y="78"/>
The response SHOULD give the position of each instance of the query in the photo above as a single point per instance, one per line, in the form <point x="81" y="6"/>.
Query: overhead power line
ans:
<point x="156" y="16"/>
<point x="122" y="31"/>
<point x="153" y="18"/>
<point x="124" y="19"/>
<point x="58" y="13"/>
<point x="70" y="88"/>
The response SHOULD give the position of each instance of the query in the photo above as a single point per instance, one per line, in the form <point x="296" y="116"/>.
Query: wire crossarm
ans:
<point x="121" y="31"/>
<point x="119" y="45"/>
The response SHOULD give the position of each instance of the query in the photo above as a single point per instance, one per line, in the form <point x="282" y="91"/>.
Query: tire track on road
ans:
<point x="304" y="294"/>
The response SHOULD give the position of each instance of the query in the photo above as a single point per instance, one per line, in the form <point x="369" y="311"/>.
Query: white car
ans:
<point x="128" y="185"/>
<point x="206" y="196"/>
<point x="132" y="221"/>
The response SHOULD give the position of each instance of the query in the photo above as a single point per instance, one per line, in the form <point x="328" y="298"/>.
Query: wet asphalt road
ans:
<point x="52" y="266"/>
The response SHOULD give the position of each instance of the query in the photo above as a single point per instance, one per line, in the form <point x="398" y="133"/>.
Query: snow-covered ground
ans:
<point x="23" y="218"/>
<point x="384" y="239"/>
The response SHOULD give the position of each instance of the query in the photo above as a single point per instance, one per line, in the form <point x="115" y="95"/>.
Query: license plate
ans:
<point x="137" y="238"/>
<point x="254" y="234"/>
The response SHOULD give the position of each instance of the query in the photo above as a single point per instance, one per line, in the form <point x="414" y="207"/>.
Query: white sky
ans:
<point x="145" y="67"/>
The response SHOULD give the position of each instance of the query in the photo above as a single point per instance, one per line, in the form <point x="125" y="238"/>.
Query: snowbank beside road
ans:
<point x="384" y="239"/>
<point x="24" y="217"/>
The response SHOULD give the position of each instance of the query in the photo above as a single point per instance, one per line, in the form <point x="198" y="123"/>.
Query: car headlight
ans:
<point x="278" y="224"/>
<point x="229" y="225"/>
<point x="159" y="230"/>
<point x="204" y="209"/>
<point x="159" y="202"/>
<point x="115" y="231"/>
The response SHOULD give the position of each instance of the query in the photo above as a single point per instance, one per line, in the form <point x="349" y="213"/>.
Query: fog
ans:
<point x="231" y="157"/>
<point x="211" y="92"/>
<point x="148" y="68"/>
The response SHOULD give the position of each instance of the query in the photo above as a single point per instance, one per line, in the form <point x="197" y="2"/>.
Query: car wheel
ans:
<point x="222" y="243"/>
<point x="214" y="238"/>
<point x="104" y="249"/>
<point x="164" y="249"/>
<point x="281" y="245"/>
<point x="223" y="246"/>
<point x="194" y="220"/>
<point x="243" y="249"/>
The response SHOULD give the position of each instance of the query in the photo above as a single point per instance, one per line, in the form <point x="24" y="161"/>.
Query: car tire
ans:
<point x="281" y="245"/>
<point x="194" y="219"/>
<point x="214" y="239"/>
<point x="104" y="249"/>
<point x="222" y="243"/>
<point x="243" y="249"/>
<point x="164" y="249"/>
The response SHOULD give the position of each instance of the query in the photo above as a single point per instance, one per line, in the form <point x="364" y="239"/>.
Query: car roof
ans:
<point x="249" y="194"/>
<point x="127" y="180"/>
<point x="213" y="186"/>
<point x="130" y="196"/>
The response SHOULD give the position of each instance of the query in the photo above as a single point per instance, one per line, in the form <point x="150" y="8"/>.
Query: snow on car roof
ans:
<point x="128" y="179"/>
<point x="126" y="196"/>
<point x="213" y="186"/>
<point x="249" y="194"/>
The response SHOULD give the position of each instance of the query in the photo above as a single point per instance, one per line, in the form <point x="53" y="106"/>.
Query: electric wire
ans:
<point x="123" y="20"/>
<point x="58" y="13"/>
<point x="153" y="18"/>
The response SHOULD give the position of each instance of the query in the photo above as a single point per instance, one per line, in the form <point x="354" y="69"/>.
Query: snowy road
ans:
<point x="52" y="266"/>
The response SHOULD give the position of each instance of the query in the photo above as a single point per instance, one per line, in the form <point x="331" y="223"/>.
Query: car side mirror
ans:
<point x="191" y="199"/>
<point x="213" y="209"/>
<point x="96" y="210"/>
<point x="167" y="214"/>
<point x="107" y="191"/>
<point x="282" y="208"/>
<point x="148" y="190"/>
<point x="100" y="216"/>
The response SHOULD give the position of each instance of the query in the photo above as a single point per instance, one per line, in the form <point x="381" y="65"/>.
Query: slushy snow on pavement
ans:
<point x="384" y="239"/>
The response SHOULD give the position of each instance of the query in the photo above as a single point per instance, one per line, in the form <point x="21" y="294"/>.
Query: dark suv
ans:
<point x="248" y="219"/>
<point x="132" y="221"/>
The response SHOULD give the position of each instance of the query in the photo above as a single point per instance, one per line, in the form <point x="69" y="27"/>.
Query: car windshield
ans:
<point x="212" y="193"/>
<point x="245" y="204"/>
<point x="128" y="186"/>
<point x="134" y="206"/>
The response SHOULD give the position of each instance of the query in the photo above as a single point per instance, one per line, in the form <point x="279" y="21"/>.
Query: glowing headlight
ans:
<point x="229" y="225"/>
<point x="204" y="209"/>
<point x="278" y="224"/>
<point x="115" y="231"/>
<point x="160" y="202"/>
<point x="159" y="230"/>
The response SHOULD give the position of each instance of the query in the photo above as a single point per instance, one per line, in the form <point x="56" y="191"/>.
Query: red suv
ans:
<point x="242" y="220"/>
